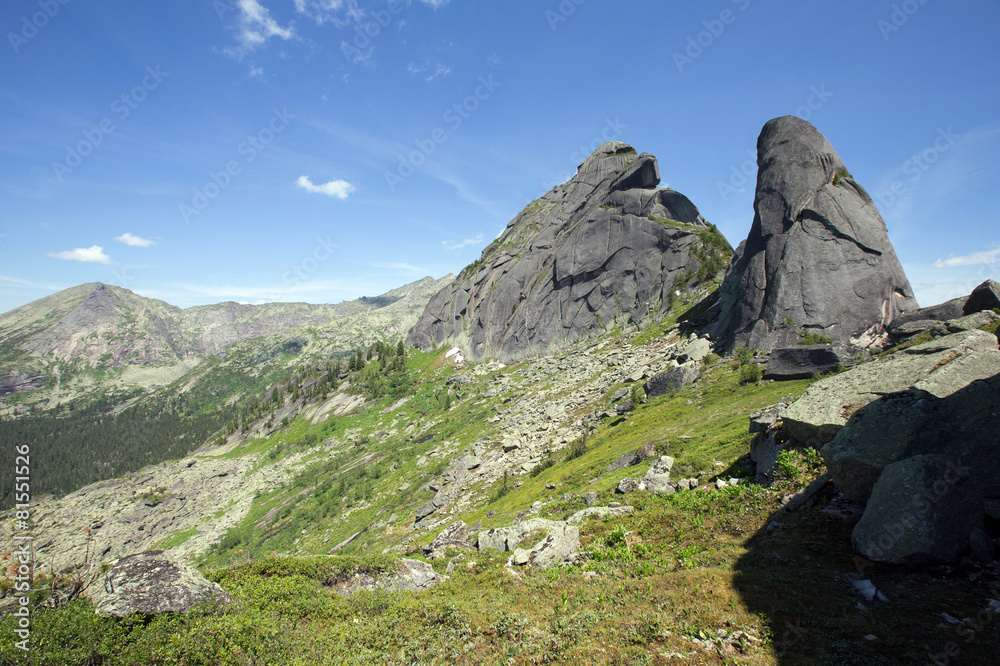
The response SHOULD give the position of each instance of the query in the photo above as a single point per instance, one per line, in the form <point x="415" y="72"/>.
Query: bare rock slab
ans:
<point x="939" y="367"/>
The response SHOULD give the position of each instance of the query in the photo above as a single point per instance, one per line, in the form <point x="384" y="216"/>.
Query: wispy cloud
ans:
<point x="31" y="285"/>
<point x="402" y="268"/>
<point x="135" y="241"/>
<point x="254" y="26"/>
<point x="454" y="245"/>
<point x="437" y="72"/>
<point x="333" y="188"/>
<point x="974" y="259"/>
<point x="93" y="254"/>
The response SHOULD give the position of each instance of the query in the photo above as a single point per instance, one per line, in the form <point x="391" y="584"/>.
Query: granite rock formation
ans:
<point x="608" y="246"/>
<point x="817" y="259"/>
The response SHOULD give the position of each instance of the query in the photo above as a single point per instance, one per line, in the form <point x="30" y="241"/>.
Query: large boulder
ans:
<point x="805" y="361"/>
<point x="984" y="297"/>
<point x="939" y="367"/>
<point x="670" y="380"/>
<point x="961" y="426"/>
<point x="818" y="254"/>
<point x="922" y="509"/>
<point x="607" y="246"/>
<point x="150" y="583"/>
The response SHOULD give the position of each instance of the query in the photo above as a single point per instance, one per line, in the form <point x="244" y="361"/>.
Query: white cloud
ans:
<point x="334" y="188"/>
<point x="974" y="259"/>
<point x="255" y="26"/>
<point x="454" y="245"/>
<point x="134" y="241"/>
<point x="435" y="3"/>
<point x="93" y="254"/>
<point x="425" y="65"/>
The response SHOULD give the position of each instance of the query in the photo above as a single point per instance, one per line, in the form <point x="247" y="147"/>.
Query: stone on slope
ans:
<point x="150" y="583"/>
<point x="608" y="246"/>
<point x="670" y="380"/>
<point x="633" y="457"/>
<point x="984" y="297"/>
<point x="657" y="478"/>
<point x="805" y="361"/>
<point x="939" y="367"/>
<point x="921" y="510"/>
<point x="818" y="252"/>
<point x="765" y="418"/>
<point x="455" y="535"/>
<point x="952" y="309"/>
<point x="557" y="547"/>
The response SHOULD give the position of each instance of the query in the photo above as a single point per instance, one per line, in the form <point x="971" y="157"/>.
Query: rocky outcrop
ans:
<point x="150" y="583"/>
<point x="960" y="425"/>
<point x="939" y="367"/>
<point x="608" y="246"/>
<point x="818" y="254"/>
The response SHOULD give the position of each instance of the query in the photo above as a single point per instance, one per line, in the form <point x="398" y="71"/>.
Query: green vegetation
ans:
<point x="750" y="373"/>
<point x="814" y="339"/>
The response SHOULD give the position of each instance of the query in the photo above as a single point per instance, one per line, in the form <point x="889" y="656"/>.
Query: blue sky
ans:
<point x="317" y="150"/>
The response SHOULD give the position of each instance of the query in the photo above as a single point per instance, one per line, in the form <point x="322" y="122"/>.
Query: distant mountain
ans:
<point x="93" y="338"/>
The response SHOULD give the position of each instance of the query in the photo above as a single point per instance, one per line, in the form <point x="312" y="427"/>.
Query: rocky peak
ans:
<point x="608" y="246"/>
<point x="818" y="257"/>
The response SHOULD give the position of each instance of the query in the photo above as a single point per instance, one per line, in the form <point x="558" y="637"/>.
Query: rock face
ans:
<point x="818" y="252"/>
<point x="607" y="246"/>
<point x="150" y="583"/>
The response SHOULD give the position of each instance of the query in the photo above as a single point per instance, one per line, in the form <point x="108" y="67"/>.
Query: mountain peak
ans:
<point x="608" y="247"/>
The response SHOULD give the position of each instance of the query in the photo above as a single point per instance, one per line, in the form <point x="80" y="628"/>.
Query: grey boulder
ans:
<point x="670" y="380"/>
<point x="922" y="509"/>
<point x="805" y="361"/>
<point x="150" y="583"/>
<point x="940" y="367"/>
<point x="984" y="297"/>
